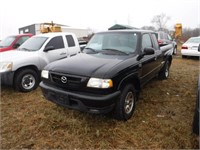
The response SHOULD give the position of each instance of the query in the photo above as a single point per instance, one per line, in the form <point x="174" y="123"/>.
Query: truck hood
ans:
<point x="95" y="65"/>
<point x="14" y="55"/>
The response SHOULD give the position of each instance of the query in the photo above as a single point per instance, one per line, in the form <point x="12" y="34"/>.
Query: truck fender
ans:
<point x="133" y="77"/>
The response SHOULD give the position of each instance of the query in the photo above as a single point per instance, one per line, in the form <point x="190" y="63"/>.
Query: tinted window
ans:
<point x="146" y="41"/>
<point x="70" y="41"/>
<point x="56" y="42"/>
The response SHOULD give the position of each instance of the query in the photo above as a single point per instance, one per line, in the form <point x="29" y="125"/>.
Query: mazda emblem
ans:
<point x="64" y="79"/>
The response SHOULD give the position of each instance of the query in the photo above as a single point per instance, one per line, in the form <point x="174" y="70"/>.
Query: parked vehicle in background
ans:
<point x="191" y="47"/>
<point x="109" y="74"/>
<point x="13" y="42"/>
<point x="195" y="127"/>
<point x="21" y="68"/>
<point x="165" y="39"/>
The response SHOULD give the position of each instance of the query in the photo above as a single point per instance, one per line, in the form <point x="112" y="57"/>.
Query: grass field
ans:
<point x="162" y="120"/>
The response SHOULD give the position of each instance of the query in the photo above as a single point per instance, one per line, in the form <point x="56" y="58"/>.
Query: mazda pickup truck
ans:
<point x="108" y="75"/>
<point x="21" y="68"/>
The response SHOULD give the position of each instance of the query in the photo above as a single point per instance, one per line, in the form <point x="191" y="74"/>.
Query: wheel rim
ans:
<point x="167" y="71"/>
<point x="28" y="81"/>
<point x="129" y="103"/>
<point x="175" y="50"/>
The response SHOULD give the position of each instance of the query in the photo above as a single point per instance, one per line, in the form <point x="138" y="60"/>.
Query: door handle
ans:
<point x="63" y="53"/>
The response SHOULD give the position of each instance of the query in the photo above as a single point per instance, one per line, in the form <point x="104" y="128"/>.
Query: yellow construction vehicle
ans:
<point x="49" y="27"/>
<point x="178" y="30"/>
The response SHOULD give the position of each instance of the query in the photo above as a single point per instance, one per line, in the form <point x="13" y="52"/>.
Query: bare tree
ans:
<point x="160" y="21"/>
<point x="148" y="28"/>
<point x="188" y="32"/>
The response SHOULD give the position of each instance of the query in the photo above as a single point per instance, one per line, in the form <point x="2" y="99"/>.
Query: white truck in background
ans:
<point x="21" y="68"/>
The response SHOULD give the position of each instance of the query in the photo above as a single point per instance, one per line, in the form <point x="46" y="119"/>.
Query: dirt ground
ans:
<point x="162" y="120"/>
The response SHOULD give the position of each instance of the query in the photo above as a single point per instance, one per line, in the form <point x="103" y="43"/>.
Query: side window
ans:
<point x="156" y="46"/>
<point x="169" y="37"/>
<point x="165" y="36"/>
<point x="22" y="40"/>
<point x="146" y="41"/>
<point x="161" y="35"/>
<point x="56" y="42"/>
<point x="70" y="41"/>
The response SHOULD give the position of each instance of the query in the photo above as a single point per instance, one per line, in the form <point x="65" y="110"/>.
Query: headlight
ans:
<point x="45" y="74"/>
<point x="5" y="66"/>
<point x="100" y="83"/>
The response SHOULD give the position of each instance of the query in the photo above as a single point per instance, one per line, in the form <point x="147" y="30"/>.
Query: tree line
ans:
<point x="159" y="24"/>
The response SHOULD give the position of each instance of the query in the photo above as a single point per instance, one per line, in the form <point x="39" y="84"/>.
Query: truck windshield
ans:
<point x="7" y="41"/>
<point x="113" y="43"/>
<point x="33" y="43"/>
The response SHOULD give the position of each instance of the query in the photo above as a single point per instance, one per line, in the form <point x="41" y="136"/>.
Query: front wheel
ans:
<point x="26" y="80"/>
<point x="126" y="103"/>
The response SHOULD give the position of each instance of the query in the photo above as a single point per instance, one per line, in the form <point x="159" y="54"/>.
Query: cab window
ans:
<point x="146" y="41"/>
<point x="56" y="42"/>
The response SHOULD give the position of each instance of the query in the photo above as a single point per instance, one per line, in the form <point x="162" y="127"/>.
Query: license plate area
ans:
<point x="63" y="99"/>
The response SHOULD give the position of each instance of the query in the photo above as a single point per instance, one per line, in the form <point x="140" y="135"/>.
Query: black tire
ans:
<point x="126" y="103"/>
<point x="164" y="73"/>
<point x="175" y="50"/>
<point x="195" y="125"/>
<point x="183" y="56"/>
<point x="26" y="80"/>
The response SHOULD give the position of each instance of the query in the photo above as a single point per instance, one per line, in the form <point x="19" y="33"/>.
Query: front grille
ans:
<point x="68" y="81"/>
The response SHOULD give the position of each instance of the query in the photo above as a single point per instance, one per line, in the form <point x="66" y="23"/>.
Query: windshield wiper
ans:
<point x="91" y="49"/>
<point x="114" y="50"/>
<point x="26" y="49"/>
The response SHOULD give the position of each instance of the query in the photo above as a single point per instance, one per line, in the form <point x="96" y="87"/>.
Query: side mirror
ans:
<point x="147" y="51"/>
<point x="48" y="48"/>
<point x="16" y="45"/>
<point x="199" y="48"/>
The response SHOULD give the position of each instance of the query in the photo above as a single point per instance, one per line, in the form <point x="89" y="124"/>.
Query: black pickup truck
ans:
<point x="109" y="74"/>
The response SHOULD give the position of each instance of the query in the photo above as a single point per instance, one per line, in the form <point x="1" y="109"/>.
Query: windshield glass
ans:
<point x="33" y="43"/>
<point x="7" y="41"/>
<point x="193" y="40"/>
<point x="113" y="43"/>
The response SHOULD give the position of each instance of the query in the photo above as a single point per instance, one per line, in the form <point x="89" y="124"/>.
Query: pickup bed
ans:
<point x="108" y="75"/>
<point x="21" y="68"/>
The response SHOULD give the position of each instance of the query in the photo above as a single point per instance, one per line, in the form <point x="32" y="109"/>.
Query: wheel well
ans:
<point x="26" y="67"/>
<point x="133" y="80"/>
<point x="169" y="58"/>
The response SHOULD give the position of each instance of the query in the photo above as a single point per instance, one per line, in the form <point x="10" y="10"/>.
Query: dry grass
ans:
<point x="162" y="120"/>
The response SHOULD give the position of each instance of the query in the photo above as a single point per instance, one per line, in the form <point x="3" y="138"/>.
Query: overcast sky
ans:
<point x="95" y="14"/>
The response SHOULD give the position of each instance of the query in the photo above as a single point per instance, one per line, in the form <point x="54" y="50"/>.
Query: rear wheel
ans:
<point x="126" y="103"/>
<point x="26" y="80"/>
<point x="175" y="50"/>
<point x="164" y="74"/>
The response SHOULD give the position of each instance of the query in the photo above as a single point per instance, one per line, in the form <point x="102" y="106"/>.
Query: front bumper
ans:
<point x="7" y="78"/>
<point x="97" y="104"/>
